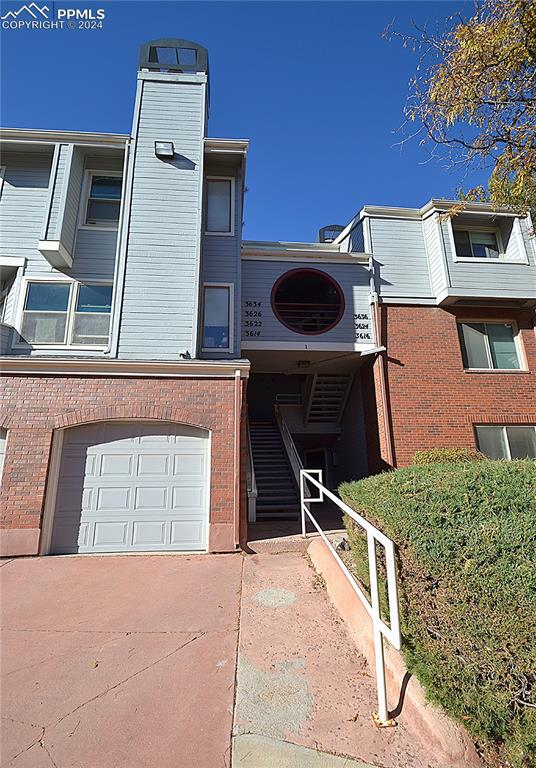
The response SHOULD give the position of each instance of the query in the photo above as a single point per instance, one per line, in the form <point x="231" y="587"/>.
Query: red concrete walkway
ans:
<point x="130" y="662"/>
<point x="118" y="661"/>
<point x="300" y="677"/>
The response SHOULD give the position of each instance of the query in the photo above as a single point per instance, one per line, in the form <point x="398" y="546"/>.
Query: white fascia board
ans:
<point x="12" y="261"/>
<point x="312" y="258"/>
<point x="268" y="248"/>
<point x="432" y="206"/>
<point x="348" y="228"/>
<point x="390" y="212"/>
<point x="403" y="300"/>
<point x="134" y="368"/>
<point x="173" y="77"/>
<point x="306" y="346"/>
<point x="226" y="146"/>
<point x="468" y="207"/>
<point x="55" y="253"/>
<point x="30" y="135"/>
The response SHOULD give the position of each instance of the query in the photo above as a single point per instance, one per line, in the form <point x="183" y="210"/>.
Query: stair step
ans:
<point x="276" y="486"/>
<point x="277" y="504"/>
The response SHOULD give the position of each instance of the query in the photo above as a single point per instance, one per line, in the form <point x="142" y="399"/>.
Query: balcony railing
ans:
<point x="307" y="317"/>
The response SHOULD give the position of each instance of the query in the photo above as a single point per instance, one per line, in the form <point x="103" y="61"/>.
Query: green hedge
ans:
<point x="446" y="456"/>
<point x="466" y="544"/>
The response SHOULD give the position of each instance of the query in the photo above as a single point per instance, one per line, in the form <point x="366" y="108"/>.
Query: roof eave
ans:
<point x="37" y="136"/>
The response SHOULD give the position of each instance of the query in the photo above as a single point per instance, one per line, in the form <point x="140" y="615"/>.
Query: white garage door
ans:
<point x="132" y="486"/>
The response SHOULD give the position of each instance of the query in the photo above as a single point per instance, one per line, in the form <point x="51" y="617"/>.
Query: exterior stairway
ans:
<point x="326" y="400"/>
<point x="276" y="488"/>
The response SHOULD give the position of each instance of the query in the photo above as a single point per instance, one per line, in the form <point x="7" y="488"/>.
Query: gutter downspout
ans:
<point x="378" y="333"/>
<point x="236" y="455"/>
<point x="120" y="256"/>
<point x="131" y="149"/>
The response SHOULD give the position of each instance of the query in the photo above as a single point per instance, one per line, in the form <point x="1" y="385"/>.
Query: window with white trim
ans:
<point x="477" y="243"/>
<point x="103" y="200"/>
<point x="490" y="346"/>
<point x="507" y="442"/>
<point x="68" y="314"/>
<point x="220" y="206"/>
<point x="217" y="302"/>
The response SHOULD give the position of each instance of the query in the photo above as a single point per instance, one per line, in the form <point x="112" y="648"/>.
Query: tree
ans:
<point x="473" y="98"/>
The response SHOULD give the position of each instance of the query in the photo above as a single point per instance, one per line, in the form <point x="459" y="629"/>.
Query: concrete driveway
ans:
<point x="118" y="660"/>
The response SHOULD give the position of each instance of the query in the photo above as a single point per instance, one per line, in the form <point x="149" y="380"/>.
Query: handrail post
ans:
<point x="302" y="504"/>
<point x="379" y="627"/>
<point x="381" y="717"/>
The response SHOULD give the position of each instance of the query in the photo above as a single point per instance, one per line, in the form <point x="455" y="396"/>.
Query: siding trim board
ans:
<point x="311" y="258"/>
<point x="51" y="187"/>
<point x="63" y="197"/>
<point x="197" y="304"/>
<point x="311" y="346"/>
<point x="137" y="369"/>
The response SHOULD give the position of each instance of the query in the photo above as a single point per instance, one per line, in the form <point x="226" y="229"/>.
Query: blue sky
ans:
<point x="313" y="85"/>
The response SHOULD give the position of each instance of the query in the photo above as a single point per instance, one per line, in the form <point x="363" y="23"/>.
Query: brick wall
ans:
<point x="33" y="406"/>
<point x="433" y="402"/>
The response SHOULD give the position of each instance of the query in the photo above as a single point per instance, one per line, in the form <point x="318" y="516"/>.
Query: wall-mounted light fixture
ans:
<point x="164" y="149"/>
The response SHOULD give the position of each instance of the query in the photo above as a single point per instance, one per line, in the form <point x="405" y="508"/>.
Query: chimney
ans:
<point x="165" y="184"/>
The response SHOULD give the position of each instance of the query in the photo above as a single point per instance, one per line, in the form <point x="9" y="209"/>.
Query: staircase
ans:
<point x="277" y="495"/>
<point x="327" y="396"/>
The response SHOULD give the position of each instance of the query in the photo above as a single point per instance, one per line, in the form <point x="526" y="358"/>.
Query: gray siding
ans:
<point x="351" y="448"/>
<point x="23" y="204"/>
<point x="94" y="254"/>
<point x="355" y="240"/>
<point x="27" y="203"/>
<point x="258" y="279"/>
<point x="432" y="236"/>
<point x="72" y="194"/>
<point x="57" y="179"/>
<point x="5" y="338"/>
<point x="162" y="270"/>
<point x="104" y="163"/>
<point x="221" y="255"/>
<point x="495" y="278"/>
<point x="399" y="249"/>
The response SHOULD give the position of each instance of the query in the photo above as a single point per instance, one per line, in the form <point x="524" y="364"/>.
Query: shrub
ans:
<point x="466" y="548"/>
<point x="446" y="456"/>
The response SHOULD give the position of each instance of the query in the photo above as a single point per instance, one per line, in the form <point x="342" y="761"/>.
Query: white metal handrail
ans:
<point x="251" y="481"/>
<point x="379" y="628"/>
<point x="294" y="457"/>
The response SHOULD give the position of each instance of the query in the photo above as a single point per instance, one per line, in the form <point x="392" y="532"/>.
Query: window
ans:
<point x="220" y="206"/>
<point x="507" y="442"/>
<point x="171" y="56"/>
<point x="92" y="315"/>
<point x="216" y="318"/>
<point x="66" y="314"/>
<point x="477" y="244"/>
<point x="489" y="346"/>
<point x="307" y="301"/>
<point x="104" y="200"/>
<point x="45" y="313"/>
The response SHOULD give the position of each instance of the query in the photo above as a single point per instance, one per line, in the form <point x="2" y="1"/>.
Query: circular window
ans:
<point x="307" y="301"/>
